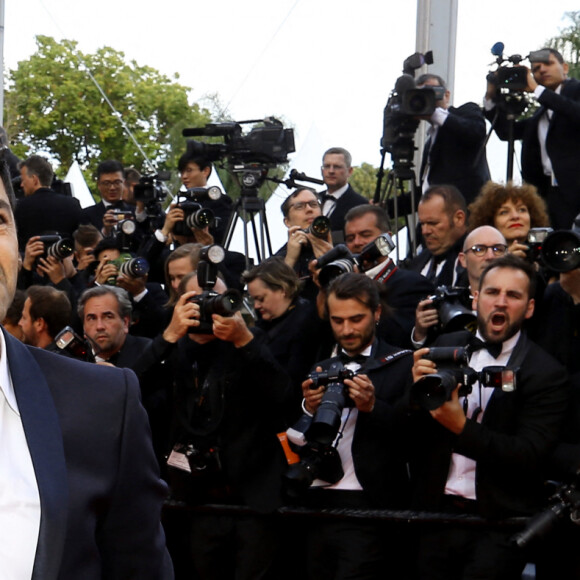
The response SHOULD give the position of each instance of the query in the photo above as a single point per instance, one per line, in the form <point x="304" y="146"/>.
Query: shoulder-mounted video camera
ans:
<point x="209" y="301"/>
<point x="432" y="391"/>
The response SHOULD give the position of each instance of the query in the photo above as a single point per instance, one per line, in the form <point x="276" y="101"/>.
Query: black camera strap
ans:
<point x="385" y="274"/>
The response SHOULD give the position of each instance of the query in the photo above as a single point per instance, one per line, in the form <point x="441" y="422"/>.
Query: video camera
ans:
<point x="511" y="78"/>
<point x="340" y="260"/>
<point x="406" y="104"/>
<point x="151" y="189"/>
<point x="209" y="301"/>
<point x="267" y="143"/>
<point x="432" y="391"/>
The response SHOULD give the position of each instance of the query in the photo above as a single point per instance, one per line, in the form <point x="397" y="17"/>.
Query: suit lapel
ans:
<point x="44" y="438"/>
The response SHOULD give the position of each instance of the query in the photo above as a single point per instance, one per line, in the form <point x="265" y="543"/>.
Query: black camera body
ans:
<point x="453" y="314"/>
<point x="267" y="143"/>
<point x="74" y="345"/>
<point x="195" y="217"/>
<point x="535" y="242"/>
<point x="151" y="189"/>
<point x="209" y="301"/>
<point x="432" y="391"/>
<point x="57" y="246"/>
<point x="561" y="249"/>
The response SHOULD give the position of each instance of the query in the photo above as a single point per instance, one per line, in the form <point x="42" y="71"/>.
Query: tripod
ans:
<point x="251" y="209"/>
<point x="393" y="198"/>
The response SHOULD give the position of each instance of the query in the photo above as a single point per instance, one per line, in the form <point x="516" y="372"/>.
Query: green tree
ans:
<point x="568" y="43"/>
<point x="364" y="179"/>
<point x="53" y="107"/>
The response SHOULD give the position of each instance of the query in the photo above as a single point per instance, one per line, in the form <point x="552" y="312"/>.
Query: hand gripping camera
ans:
<point x="432" y="391"/>
<point x="209" y="301"/>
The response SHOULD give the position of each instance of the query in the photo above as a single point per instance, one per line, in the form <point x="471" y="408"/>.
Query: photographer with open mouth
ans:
<point x="483" y="451"/>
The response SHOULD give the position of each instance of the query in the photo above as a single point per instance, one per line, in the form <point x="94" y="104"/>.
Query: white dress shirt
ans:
<point x="461" y="477"/>
<point x="19" y="496"/>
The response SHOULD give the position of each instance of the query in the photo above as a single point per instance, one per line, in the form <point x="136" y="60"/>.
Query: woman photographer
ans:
<point x="512" y="209"/>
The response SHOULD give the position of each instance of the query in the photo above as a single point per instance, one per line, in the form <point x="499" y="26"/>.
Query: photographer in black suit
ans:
<point x="550" y="144"/>
<point x="484" y="452"/>
<point x="373" y="468"/>
<point x="454" y="151"/>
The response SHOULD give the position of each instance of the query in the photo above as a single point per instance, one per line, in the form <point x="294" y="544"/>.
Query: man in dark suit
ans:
<point x="442" y="216"/>
<point x="455" y="148"/>
<point x="110" y="181"/>
<point x="43" y="210"/>
<point x="404" y="288"/>
<point x="83" y="495"/>
<point x="483" y="453"/>
<point x="339" y="196"/>
<point x="373" y="469"/>
<point x="550" y="144"/>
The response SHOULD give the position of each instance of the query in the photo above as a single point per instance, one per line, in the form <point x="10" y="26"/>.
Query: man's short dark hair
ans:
<point x="422" y="79"/>
<point x="452" y="198"/>
<point x="513" y="263"/>
<point x="556" y="53"/>
<point x="285" y="207"/>
<point x="192" y="157"/>
<point x="382" y="220"/>
<point x="109" y="166"/>
<point x="123" y="301"/>
<point x="339" y="151"/>
<point x="6" y="180"/>
<point x="50" y="304"/>
<point x="39" y="166"/>
<point x="358" y="287"/>
<point x="87" y="236"/>
<point x="111" y="243"/>
<point x="131" y="175"/>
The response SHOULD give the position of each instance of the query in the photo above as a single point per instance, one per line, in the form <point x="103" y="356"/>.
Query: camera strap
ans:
<point x="385" y="274"/>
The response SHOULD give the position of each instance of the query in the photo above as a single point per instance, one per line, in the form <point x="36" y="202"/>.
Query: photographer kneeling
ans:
<point x="348" y="455"/>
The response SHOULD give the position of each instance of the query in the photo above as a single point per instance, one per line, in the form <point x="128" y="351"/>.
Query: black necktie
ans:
<point x="494" y="348"/>
<point x="432" y="271"/>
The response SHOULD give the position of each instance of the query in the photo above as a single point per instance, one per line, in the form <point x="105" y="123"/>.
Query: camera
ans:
<point x="320" y="227"/>
<point x="57" y="246"/>
<point x="128" y="266"/>
<point x="449" y="303"/>
<point x="326" y="420"/>
<point x="316" y="462"/>
<point x="561" y="249"/>
<point x="432" y="391"/>
<point x="209" y="301"/>
<point x="535" y="241"/>
<point x="70" y="342"/>
<point x="203" y="193"/>
<point x="565" y="503"/>
<point x="267" y="143"/>
<point x="151" y="188"/>
<point x="195" y="216"/>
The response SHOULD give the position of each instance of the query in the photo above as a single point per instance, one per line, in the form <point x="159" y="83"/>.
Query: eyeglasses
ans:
<point x="108" y="184"/>
<point x="480" y="250"/>
<point x="299" y="206"/>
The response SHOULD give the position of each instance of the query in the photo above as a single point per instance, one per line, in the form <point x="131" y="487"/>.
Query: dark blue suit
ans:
<point x="100" y="491"/>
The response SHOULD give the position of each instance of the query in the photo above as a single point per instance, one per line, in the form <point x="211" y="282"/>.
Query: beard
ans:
<point x="510" y="328"/>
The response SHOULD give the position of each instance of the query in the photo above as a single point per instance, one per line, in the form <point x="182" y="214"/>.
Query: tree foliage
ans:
<point x="568" y="43"/>
<point x="364" y="179"/>
<point x="53" y="107"/>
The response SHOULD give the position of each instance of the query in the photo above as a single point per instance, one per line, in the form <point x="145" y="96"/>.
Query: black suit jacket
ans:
<point x="457" y="156"/>
<point x="562" y="145"/>
<point x="349" y="199"/>
<point x="99" y="485"/>
<point x="511" y="445"/>
<point x="46" y="211"/>
<point x="377" y="455"/>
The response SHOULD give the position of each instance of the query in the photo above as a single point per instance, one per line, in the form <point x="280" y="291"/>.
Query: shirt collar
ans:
<point x="508" y="345"/>
<point x="5" y="378"/>
<point x="336" y="194"/>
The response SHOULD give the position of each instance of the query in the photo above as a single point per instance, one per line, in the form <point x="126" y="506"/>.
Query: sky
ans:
<point x="323" y="67"/>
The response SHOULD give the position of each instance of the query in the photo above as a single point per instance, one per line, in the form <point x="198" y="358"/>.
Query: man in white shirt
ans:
<point x="483" y="453"/>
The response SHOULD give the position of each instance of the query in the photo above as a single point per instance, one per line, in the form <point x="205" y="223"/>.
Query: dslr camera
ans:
<point x="68" y="341"/>
<point x="195" y="215"/>
<point x="57" y="246"/>
<point x="209" y="301"/>
<point x="449" y="303"/>
<point x="320" y="227"/>
<point x="128" y="266"/>
<point x="561" y="249"/>
<point x="432" y="391"/>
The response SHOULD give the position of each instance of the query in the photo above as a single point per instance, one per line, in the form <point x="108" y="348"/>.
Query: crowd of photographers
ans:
<point x="328" y="376"/>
